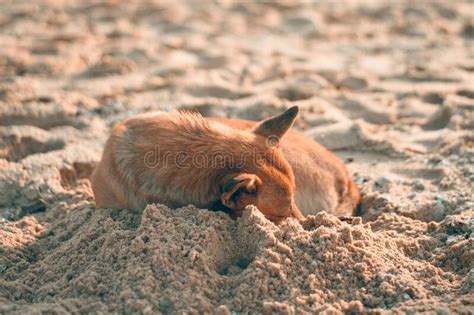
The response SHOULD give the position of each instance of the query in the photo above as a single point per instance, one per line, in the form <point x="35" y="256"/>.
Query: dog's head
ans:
<point x="267" y="179"/>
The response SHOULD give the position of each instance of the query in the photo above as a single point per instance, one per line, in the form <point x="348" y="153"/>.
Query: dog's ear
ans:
<point x="237" y="190"/>
<point x="278" y="125"/>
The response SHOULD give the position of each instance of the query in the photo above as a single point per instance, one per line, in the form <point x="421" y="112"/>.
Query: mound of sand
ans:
<point x="387" y="86"/>
<point x="200" y="261"/>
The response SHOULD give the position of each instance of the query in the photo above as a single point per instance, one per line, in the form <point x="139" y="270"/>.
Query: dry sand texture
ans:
<point x="388" y="86"/>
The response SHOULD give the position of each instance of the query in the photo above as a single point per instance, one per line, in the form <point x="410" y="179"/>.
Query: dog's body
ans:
<point x="221" y="164"/>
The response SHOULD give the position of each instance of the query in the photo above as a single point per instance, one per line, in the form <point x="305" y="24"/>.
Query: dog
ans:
<point x="221" y="164"/>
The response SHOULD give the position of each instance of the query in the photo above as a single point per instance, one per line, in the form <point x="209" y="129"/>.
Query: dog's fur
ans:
<point x="221" y="164"/>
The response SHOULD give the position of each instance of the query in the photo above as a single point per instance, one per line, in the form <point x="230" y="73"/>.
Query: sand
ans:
<point x="387" y="85"/>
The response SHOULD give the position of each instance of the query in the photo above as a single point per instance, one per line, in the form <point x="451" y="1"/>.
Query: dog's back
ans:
<point x="149" y="158"/>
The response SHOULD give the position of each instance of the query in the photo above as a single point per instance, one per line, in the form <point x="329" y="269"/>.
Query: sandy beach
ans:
<point x="388" y="86"/>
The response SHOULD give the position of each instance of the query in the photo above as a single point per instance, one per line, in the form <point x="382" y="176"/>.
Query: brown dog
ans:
<point x="221" y="164"/>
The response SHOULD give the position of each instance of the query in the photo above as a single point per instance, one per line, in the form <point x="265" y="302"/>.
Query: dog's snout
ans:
<point x="296" y="213"/>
